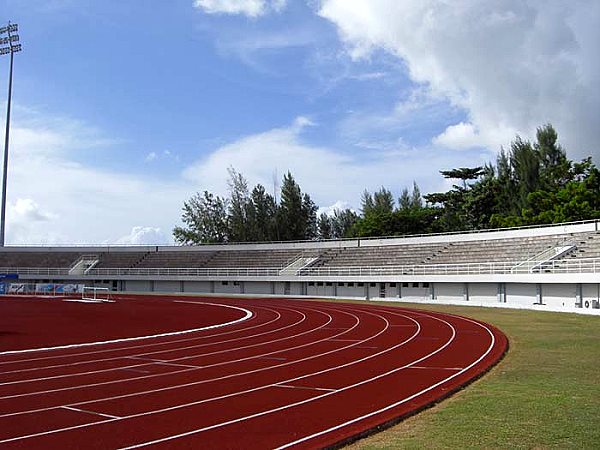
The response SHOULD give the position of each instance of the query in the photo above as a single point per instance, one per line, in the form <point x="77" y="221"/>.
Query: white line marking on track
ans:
<point x="137" y="370"/>
<point x="291" y="405"/>
<point x="246" y="316"/>
<point x="321" y="396"/>
<point x="164" y="362"/>
<point x="90" y="412"/>
<point x="28" y="394"/>
<point x="398" y="403"/>
<point x="29" y="380"/>
<point x="312" y="388"/>
<point x="130" y="347"/>
<point x="214" y="379"/>
<point x="435" y="368"/>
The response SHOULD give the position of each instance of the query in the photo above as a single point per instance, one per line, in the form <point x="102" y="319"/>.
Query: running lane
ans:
<point x="294" y="374"/>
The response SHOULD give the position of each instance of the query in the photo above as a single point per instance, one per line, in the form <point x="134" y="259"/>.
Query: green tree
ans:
<point x="342" y="222"/>
<point x="240" y="211"/>
<point x="264" y="215"/>
<point x="325" y="227"/>
<point x="205" y="219"/>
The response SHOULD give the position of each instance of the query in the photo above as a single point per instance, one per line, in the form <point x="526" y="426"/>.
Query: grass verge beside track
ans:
<point x="545" y="393"/>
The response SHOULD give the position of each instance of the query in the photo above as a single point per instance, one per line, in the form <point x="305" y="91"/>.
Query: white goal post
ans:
<point x="96" y="294"/>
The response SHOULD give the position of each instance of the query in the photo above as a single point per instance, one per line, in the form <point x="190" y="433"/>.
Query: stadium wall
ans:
<point x="577" y="292"/>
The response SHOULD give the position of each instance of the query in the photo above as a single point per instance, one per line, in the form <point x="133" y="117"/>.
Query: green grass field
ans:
<point x="545" y="393"/>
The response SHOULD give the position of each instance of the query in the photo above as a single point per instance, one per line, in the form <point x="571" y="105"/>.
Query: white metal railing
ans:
<point x="578" y="265"/>
<point x="165" y="271"/>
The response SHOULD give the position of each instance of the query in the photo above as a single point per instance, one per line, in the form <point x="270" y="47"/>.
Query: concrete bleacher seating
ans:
<point x="253" y="258"/>
<point x="110" y="260"/>
<point x="378" y="253"/>
<point x="38" y="259"/>
<point x="166" y="259"/>
<point x="379" y="256"/>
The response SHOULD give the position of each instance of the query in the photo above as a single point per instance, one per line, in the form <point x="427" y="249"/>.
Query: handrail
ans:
<point x="578" y="265"/>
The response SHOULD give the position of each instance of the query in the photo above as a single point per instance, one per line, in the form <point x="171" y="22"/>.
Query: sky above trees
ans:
<point x="122" y="110"/>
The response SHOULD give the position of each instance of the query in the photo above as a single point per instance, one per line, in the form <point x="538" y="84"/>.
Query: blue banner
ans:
<point x="9" y="276"/>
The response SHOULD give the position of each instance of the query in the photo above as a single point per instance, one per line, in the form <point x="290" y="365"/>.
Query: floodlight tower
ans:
<point x="8" y="45"/>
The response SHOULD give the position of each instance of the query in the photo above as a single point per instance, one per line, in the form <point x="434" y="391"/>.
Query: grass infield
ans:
<point x="545" y="393"/>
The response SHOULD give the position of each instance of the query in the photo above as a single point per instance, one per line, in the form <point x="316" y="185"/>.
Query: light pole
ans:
<point x="9" y="45"/>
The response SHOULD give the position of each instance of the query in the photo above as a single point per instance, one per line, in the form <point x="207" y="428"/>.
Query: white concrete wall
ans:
<point x="228" y="287"/>
<point x="449" y="292"/>
<point x="483" y="293"/>
<point x="296" y="288"/>
<point x="559" y="295"/>
<point x="590" y="293"/>
<point x="521" y="294"/>
<point x="343" y="290"/>
<point x="138" y="285"/>
<point x="197" y="286"/>
<point x="321" y="289"/>
<point x="167" y="286"/>
<point x="257" y="287"/>
<point x="415" y="290"/>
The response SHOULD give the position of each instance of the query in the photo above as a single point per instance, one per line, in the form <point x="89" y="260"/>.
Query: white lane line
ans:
<point x="283" y="381"/>
<point x="274" y="358"/>
<point x="137" y="370"/>
<point x="310" y="388"/>
<point x="247" y="315"/>
<point x="164" y="362"/>
<point x="134" y="347"/>
<point x="436" y="368"/>
<point x="27" y="394"/>
<point x="87" y="411"/>
<point x="302" y="402"/>
<point x="404" y="400"/>
<point x="131" y="347"/>
<point x="111" y="369"/>
<point x="214" y="379"/>
<point x="343" y="340"/>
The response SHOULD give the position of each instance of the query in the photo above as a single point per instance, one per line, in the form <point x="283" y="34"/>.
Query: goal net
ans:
<point x="96" y="294"/>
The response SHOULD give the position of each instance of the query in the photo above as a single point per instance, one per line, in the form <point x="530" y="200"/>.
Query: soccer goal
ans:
<point x="96" y="294"/>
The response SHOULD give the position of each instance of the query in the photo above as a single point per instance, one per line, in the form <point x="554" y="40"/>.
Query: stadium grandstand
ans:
<point x="554" y="267"/>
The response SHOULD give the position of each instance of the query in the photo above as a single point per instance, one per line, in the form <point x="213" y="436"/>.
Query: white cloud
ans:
<point x="144" y="236"/>
<point x="459" y="136"/>
<point x="331" y="209"/>
<point x="329" y="176"/>
<point x="150" y="157"/>
<point x="56" y="200"/>
<point x="250" y="8"/>
<point x="511" y="65"/>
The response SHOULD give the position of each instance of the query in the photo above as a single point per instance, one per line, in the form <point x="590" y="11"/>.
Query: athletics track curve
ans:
<point x="294" y="374"/>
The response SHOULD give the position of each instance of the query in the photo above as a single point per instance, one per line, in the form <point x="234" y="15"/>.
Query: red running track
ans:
<point x="244" y="373"/>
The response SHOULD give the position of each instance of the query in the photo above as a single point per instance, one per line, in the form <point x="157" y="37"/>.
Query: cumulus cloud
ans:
<point x="144" y="236"/>
<point x="459" y="136"/>
<point x="58" y="200"/>
<point x="331" y="209"/>
<point x="328" y="175"/>
<point x="250" y="8"/>
<point x="510" y="65"/>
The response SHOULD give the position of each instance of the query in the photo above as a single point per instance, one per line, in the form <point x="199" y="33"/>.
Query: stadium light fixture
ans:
<point x="8" y="46"/>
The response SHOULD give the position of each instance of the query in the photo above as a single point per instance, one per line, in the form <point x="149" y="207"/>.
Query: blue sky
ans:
<point x="122" y="110"/>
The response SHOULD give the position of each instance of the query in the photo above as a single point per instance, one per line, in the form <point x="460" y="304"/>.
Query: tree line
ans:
<point x="255" y="215"/>
<point x="529" y="183"/>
